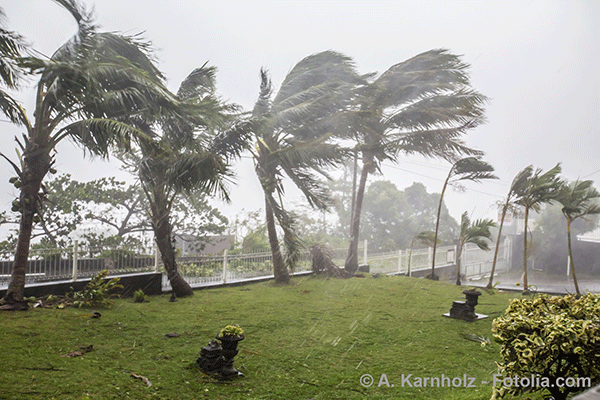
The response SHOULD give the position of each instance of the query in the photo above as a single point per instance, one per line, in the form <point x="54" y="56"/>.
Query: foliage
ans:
<point x="97" y="292"/>
<point x="231" y="330"/>
<point x="321" y="256"/>
<point x="393" y="217"/>
<point x="139" y="296"/>
<point x="549" y="337"/>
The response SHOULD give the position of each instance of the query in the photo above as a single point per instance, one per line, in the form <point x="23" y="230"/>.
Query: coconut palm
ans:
<point x="293" y="139"/>
<point x="419" y="106"/>
<point x="87" y="82"/>
<point x="579" y="199"/>
<point x="538" y="188"/>
<point x="508" y="205"/>
<point x="465" y="169"/>
<point x="189" y="155"/>
<point x="477" y="233"/>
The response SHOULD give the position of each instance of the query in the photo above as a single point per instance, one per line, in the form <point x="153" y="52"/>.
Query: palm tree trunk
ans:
<point x="161" y="225"/>
<point x="504" y="210"/>
<point x="351" y="264"/>
<point x="571" y="258"/>
<point x="280" y="271"/>
<point x="437" y="226"/>
<point x="36" y="163"/>
<point x="525" y="283"/>
<point x="458" y="262"/>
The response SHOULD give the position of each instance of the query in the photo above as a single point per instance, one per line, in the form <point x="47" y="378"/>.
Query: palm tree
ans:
<point x="293" y="140"/>
<point x="477" y="233"/>
<point x="189" y="155"/>
<point x="87" y="82"/>
<point x="465" y="169"/>
<point x="579" y="199"/>
<point x="427" y="238"/>
<point x="422" y="105"/>
<point x="538" y="188"/>
<point x="509" y="204"/>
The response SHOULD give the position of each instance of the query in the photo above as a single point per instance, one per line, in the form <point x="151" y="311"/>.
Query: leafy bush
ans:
<point x="231" y="330"/>
<point x="96" y="292"/>
<point x="139" y="296"/>
<point x="552" y="341"/>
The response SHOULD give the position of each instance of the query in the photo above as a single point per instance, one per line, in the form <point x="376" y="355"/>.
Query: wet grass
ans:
<point x="313" y="339"/>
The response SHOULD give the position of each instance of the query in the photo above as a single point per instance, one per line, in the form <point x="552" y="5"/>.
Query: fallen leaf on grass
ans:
<point x="77" y="353"/>
<point x="143" y="378"/>
<point x="172" y="334"/>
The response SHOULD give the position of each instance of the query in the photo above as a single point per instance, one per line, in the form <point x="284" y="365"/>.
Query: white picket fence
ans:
<point x="80" y="262"/>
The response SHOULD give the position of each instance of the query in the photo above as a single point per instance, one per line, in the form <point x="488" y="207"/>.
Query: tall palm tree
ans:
<point x="293" y="139"/>
<point x="188" y="155"/>
<point x="477" y="233"/>
<point x="465" y="169"/>
<point x="87" y="82"/>
<point x="509" y="204"/>
<point x="579" y="199"/>
<point x="538" y="188"/>
<point x="422" y="105"/>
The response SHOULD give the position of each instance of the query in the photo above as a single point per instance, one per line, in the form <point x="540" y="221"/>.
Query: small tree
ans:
<point x="465" y="169"/>
<point x="538" y="188"/>
<point x="579" y="199"/>
<point x="477" y="233"/>
<point x="426" y="238"/>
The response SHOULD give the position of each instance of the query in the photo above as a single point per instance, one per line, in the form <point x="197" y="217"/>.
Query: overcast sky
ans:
<point x="537" y="61"/>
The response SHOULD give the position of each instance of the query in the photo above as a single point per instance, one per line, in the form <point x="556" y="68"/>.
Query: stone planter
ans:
<point x="229" y="345"/>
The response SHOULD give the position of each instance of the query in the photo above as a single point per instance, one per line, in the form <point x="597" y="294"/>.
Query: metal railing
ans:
<point x="80" y="262"/>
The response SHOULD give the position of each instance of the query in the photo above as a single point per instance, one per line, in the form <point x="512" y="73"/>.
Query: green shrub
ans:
<point x="552" y="341"/>
<point x="96" y="292"/>
<point x="139" y="296"/>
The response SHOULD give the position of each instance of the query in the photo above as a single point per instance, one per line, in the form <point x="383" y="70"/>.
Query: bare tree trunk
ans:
<point x="571" y="258"/>
<point x="161" y="224"/>
<point x="280" y="270"/>
<point x="437" y="227"/>
<point x="36" y="163"/>
<point x="525" y="283"/>
<point x="351" y="264"/>
<point x="504" y="209"/>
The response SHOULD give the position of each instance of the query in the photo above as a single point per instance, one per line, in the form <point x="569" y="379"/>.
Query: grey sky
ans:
<point x="537" y="61"/>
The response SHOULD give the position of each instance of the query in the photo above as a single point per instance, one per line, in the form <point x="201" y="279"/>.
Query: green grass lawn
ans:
<point x="313" y="339"/>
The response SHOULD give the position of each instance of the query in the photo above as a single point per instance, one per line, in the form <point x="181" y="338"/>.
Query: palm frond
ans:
<point x="473" y="169"/>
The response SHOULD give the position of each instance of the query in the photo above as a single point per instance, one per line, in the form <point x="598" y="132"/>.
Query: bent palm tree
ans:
<point x="509" y="204"/>
<point x="427" y="238"/>
<point x="538" y="188"/>
<point x="422" y="105"/>
<point x="188" y="156"/>
<point x="293" y="140"/>
<point x="91" y="79"/>
<point x="477" y="233"/>
<point x="579" y="199"/>
<point x="465" y="169"/>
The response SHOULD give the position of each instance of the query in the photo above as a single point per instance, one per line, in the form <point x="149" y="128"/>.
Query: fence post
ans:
<point x="75" y="259"/>
<point x="365" y="252"/>
<point x="399" y="261"/>
<point x="224" y="266"/>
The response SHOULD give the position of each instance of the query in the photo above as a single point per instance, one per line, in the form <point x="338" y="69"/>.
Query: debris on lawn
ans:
<point x="143" y="378"/>
<point x="173" y="334"/>
<point x="82" y="350"/>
